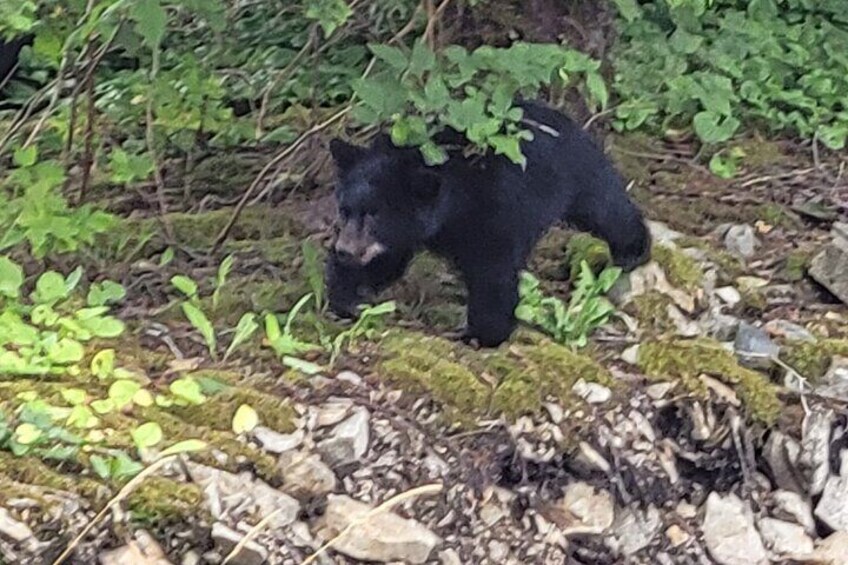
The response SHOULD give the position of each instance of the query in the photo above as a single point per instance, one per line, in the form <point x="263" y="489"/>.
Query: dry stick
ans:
<point x="224" y="234"/>
<point x="388" y="505"/>
<point x="151" y="148"/>
<point x="433" y="18"/>
<point x="122" y="494"/>
<point x="88" y="141"/>
<point x="254" y="531"/>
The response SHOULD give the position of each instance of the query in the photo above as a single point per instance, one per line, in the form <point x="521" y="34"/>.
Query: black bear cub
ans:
<point x="482" y="213"/>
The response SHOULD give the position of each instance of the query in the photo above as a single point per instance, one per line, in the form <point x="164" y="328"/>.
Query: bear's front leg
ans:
<point x="492" y="299"/>
<point x="349" y="285"/>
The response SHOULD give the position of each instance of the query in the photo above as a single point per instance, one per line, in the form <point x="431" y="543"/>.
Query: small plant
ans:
<point x="587" y="309"/>
<point x="365" y="326"/>
<point x="283" y="341"/>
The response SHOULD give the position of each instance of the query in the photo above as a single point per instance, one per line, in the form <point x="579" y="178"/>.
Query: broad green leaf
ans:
<point x="73" y="396"/>
<point x="105" y="327"/>
<point x="11" y="278"/>
<point x="27" y="434"/>
<point x="245" y="329"/>
<point x="143" y="398"/>
<point x="185" y="285"/>
<point x="187" y="389"/>
<point x="122" y="467"/>
<point x="151" y="19"/>
<point x="25" y="157"/>
<point x="422" y="60"/>
<point x="50" y="288"/>
<point x="245" y="419"/>
<point x="391" y="55"/>
<point x="103" y="405"/>
<point x="83" y="418"/>
<point x="597" y="89"/>
<point x="202" y="324"/>
<point x="103" y="363"/>
<point x="122" y="392"/>
<point x="221" y="279"/>
<point x="106" y="292"/>
<point x="65" y="351"/>
<point x="305" y="367"/>
<point x="147" y="435"/>
<point x="100" y="465"/>
<point x="712" y="128"/>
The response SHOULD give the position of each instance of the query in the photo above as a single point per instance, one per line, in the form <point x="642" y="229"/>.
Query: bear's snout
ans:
<point x="356" y="246"/>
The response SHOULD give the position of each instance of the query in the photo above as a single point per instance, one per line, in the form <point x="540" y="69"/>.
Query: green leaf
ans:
<point x="712" y="128"/>
<point x="11" y="278"/>
<point x="422" y="60"/>
<point x="245" y="329"/>
<point x="305" y="367"/>
<point x="73" y="396"/>
<point x="121" y="392"/>
<point x="187" y="389"/>
<point x="105" y="326"/>
<point x="25" y="157"/>
<point x="628" y="9"/>
<point x="393" y="56"/>
<point x="103" y="405"/>
<point x="202" y="324"/>
<point x="151" y="19"/>
<point x="597" y="89"/>
<point x="103" y="363"/>
<point x="185" y="446"/>
<point x="221" y="278"/>
<point x="433" y="154"/>
<point x="27" y="434"/>
<point x="147" y="435"/>
<point x="100" y="465"/>
<point x="83" y="418"/>
<point x="106" y="292"/>
<point x="245" y="419"/>
<point x="167" y="257"/>
<point x="50" y="288"/>
<point x="185" y="285"/>
<point x="65" y="351"/>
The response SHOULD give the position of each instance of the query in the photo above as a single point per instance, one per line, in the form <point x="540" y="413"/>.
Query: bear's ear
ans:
<point x="344" y="154"/>
<point x="426" y="184"/>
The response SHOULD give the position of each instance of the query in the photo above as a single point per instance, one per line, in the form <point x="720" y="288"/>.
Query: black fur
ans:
<point x="484" y="214"/>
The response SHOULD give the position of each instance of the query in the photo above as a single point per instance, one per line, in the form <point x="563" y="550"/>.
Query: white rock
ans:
<point x="662" y="234"/>
<point x="225" y="491"/>
<point x="785" y="538"/>
<point x="782" y="454"/>
<point x="226" y="539"/>
<point x="815" y="448"/>
<point x="589" y="511"/>
<point x="350" y="377"/>
<point x="13" y="530"/>
<point x="593" y="393"/>
<point x="275" y="442"/>
<point x="832" y="551"/>
<point x="450" y="557"/>
<point x="741" y="240"/>
<point x="729" y="532"/>
<point x="143" y="550"/>
<point x="832" y="509"/>
<point x="383" y="537"/>
<point x="306" y="475"/>
<point x="792" y="506"/>
<point x="633" y="530"/>
<point x="349" y="440"/>
<point x="729" y="295"/>
<point x="631" y="355"/>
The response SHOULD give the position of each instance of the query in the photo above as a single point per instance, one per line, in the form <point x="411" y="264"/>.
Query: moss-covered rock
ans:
<point x="584" y="247"/>
<point x="469" y="384"/>
<point x="162" y="501"/>
<point x="681" y="270"/>
<point x="686" y="360"/>
<point x="812" y="359"/>
<point x="651" y="311"/>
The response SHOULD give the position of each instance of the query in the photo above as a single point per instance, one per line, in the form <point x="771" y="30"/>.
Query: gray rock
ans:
<point x="741" y="240"/>
<point x="782" y="454"/>
<point x="814" y="459"/>
<point x="13" y="530"/>
<point x="785" y="538"/>
<point x="788" y="331"/>
<point x="729" y="532"/>
<point x="729" y="295"/>
<point x="226" y="492"/>
<point x="719" y="326"/>
<point x="589" y="511"/>
<point x="633" y="530"/>
<point x="662" y="234"/>
<point x="830" y="266"/>
<point x="793" y="507"/>
<point x="593" y="393"/>
<point x="835" y="381"/>
<point x="348" y="441"/>
<point x="143" y="550"/>
<point x="275" y="442"/>
<point x="450" y="557"/>
<point x="684" y="327"/>
<point x="832" y="509"/>
<point x="226" y="539"/>
<point x="305" y="475"/>
<point x="383" y="537"/>
<point x="754" y="347"/>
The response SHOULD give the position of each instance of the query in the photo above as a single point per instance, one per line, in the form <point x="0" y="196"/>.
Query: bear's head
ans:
<point x="388" y="200"/>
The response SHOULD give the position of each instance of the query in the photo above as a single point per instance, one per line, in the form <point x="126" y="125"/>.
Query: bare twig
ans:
<point x="434" y="16"/>
<point x="151" y="148"/>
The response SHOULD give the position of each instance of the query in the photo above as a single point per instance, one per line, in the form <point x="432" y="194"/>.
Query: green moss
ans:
<point x="32" y="471"/>
<point x="425" y="365"/>
<point x="812" y="359"/>
<point x="584" y="247"/>
<point x="728" y="265"/>
<point x="686" y="360"/>
<point x="162" y="501"/>
<point x="760" y="152"/>
<point x="795" y="267"/>
<point x="218" y="411"/>
<point x="682" y="271"/>
<point x="281" y="251"/>
<point x="240" y="296"/>
<point x="651" y="311"/>
<point x="530" y="370"/>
